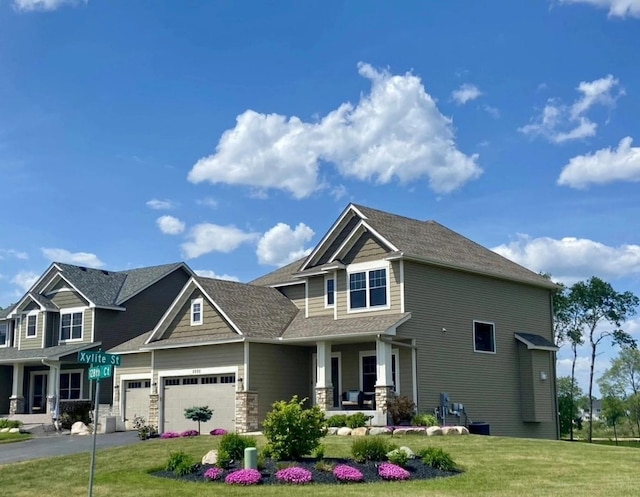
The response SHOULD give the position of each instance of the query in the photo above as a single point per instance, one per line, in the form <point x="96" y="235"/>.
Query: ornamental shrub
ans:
<point x="437" y="458"/>
<point x="218" y="432"/>
<point x="243" y="477"/>
<point x="180" y="463"/>
<point x="199" y="414"/>
<point x="357" y="420"/>
<point x="370" y="449"/>
<point x="224" y="459"/>
<point x="324" y="466"/>
<point x="319" y="452"/>
<point x="295" y="475"/>
<point x="292" y="431"/>
<point x="425" y="420"/>
<point x="390" y="471"/>
<point x="337" y="421"/>
<point x="72" y="411"/>
<point x="347" y="473"/>
<point x="190" y="433"/>
<point x="213" y="473"/>
<point x="401" y="409"/>
<point x="10" y="423"/>
<point x="234" y="445"/>
<point x="170" y="434"/>
<point x="398" y="457"/>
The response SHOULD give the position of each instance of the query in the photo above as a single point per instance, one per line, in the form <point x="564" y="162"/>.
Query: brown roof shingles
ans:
<point x="324" y="326"/>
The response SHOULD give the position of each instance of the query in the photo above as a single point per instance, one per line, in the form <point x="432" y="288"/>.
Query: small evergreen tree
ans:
<point x="199" y="414"/>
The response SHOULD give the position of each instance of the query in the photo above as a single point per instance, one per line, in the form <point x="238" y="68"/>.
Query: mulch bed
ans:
<point x="418" y="470"/>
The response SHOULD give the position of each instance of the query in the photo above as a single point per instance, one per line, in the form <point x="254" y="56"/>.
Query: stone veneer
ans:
<point x="384" y="394"/>
<point x="16" y="404"/>
<point x="324" y="398"/>
<point x="153" y="410"/>
<point x="246" y="412"/>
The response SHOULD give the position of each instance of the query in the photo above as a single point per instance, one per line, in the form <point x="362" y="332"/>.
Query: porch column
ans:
<point x="324" y="388"/>
<point x="53" y="389"/>
<point x="384" y="381"/>
<point x="16" y="401"/>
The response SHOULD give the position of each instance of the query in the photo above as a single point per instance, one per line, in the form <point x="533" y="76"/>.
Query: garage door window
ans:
<point x="139" y="384"/>
<point x="172" y="381"/>
<point x="190" y="381"/>
<point x="200" y="380"/>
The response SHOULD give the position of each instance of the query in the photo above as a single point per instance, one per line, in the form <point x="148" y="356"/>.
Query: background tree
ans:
<point x="570" y="400"/>
<point x="613" y="410"/>
<point x="622" y="380"/>
<point x="602" y="311"/>
<point x="199" y="414"/>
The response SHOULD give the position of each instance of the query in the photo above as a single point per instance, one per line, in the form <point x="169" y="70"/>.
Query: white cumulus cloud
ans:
<point x="25" y="279"/>
<point x="207" y="273"/>
<point x="170" y="225"/>
<point x="12" y="253"/>
<point x="206" y="237"/>
<point x="160" y="205"/>
<point x="572" y="259"/>
<point x="560" y="123"/>
<point x="282" y="245"/>
<point x="617" y="8"/>
<point x="394" y="132"/>
<point x="44" y="5"/>
<point x="604" y="166"/>
<point x="78" y="258"/>
<point x="465" y="93"/>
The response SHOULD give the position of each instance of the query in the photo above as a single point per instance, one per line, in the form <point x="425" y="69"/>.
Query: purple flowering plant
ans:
<point x="218" y="432"/>
<point x="344" y="472"/>
<point x="189" y="433"/>
<point x="243" y="477"/>
<point x="170" y="434"/>
<point x="213" y="473"/>
<point x="390" y="471"/>
<point x="294" y="474"/>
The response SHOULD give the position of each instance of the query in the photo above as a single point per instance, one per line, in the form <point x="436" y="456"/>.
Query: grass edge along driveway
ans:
<point x="494" y="466"/>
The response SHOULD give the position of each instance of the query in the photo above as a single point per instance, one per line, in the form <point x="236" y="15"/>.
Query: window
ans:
<point x="330" y="292"/>
<point x="484" y="339"/>
<point x="71" y="326"/>
<point x="32" y="322"/>
<point x="209" y="380"/>
<point x="4" y="328"/>
<point x="70" y="385"/>
<point x="368" y="289"/>
<point x="190" y="381"/>
<point x="370" y="371"/>
<point x="196" y="311"/>
<point x="139" y="384"/>
<point x="169" y="382"/>
<point x="228" y="378"/>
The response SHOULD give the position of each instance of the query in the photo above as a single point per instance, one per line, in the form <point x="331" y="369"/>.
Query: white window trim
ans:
<point x="71" y="371"/>
<point x="200" y="301"/>
<point x="6" y="340"/>
<point x="26" y="324"/>
<point x="473" y="337"/>
<point x="72" y="310"/>
<point x="327" y="305"/>
<point x="314" y="364"/>
<point x="366" y="267"/>
<point x="366" y="353"/>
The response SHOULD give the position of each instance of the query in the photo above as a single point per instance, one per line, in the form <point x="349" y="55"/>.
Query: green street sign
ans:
<point x="99" y="358"/>
<point x="100" y="372"/>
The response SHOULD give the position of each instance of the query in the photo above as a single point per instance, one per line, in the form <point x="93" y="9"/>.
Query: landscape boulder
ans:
<point x="79" y="428"/>
<point x="359" y="432"/>
<point x="434" y="431"/>
<point x="210" y="457"/>
<point x="380" y="430"/>
<point x="344" y="431"/>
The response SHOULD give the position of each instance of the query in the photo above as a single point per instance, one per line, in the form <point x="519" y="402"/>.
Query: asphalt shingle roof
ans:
<point x="281" y="275"/>
<point x="323" y="326"/>
<point x="12" y="354"/>
<point x="536" y="340"/>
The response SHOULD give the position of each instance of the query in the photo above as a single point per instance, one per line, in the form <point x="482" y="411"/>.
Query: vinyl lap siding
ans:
<point x="366" y="248"/>
<point x="488" y="384"/>
<point x="341" y="237"/>
<point x="31" y="343"/>
<point x="295" y="293"/>
<point x="68" y="300"/>
<point x="316" y="297"/>
<point x="212" y="322"/>
<point x="133" y="364"/>
<point x="541" y="362"/>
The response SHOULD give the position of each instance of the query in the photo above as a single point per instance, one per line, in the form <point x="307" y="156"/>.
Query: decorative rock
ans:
<point x="210" y="457"/>
<point x="406" y="450"/>
<point x="344" y="431"/>
<point x="14" y="430"/>
<point x="450" y="430"/>
<point x="4" y="430"/>
<point x="463" y="430"/>
<point x="409" y="431"/>
<point x="79" y="428"/>
<point x="359" y="432"/>
<point x="380" y="430"/>
<point x="434" y="431"/>
<point x="332" y="430"/>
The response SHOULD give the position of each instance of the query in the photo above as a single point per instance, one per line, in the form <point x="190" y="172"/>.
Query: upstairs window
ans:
<point x="196" y="311"/>
<point x="368" y="289"/>
<point x="4" y="330"/>
<point x="484" y="337"/>
<point x="330" y="292"/>
<point x="32" y="325"/>
<point x="71" y="326"/>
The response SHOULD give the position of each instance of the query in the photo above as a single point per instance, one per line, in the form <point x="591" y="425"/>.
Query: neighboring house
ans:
<point x="585" y="414"/>
<point x="71" y="309"/>
<point x="384" y="305"/>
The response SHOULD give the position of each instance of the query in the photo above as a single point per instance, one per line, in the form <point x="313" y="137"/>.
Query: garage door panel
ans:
<point x="136" y="401"/>
<point x="216" y="392"/>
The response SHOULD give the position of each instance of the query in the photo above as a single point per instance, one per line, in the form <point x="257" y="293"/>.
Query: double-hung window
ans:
<point x="330" y="292"/>
<point x="70" y="385"/>
<point x="4" y="334"/>
<point x="71" y="326"/>
<point x="368" y="289"/>
<point x="196" y="311"/>
<point x="32" y="325"/>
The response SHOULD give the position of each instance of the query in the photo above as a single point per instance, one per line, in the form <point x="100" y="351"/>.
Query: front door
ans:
<point x="39" y="393"/>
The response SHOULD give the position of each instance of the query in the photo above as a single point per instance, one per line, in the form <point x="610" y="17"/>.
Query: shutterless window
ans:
<point x="196" y="311"/>
<point x="4" y="327"/>
<point x="70" y="386"/>
<point x="368" y="289"/>
<point x="358" y="290"/>
<point x="32" y="321"/>
<point x="484" y="339"/>
<point x="331" y="292"/>
<point x="228" y="378"/>
<point x="172" y="382"/>
<point x="189" y="381"/>
<point x="71" y="326"/>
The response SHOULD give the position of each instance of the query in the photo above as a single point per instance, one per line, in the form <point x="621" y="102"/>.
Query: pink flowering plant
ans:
<point x="218" y="432"/>
<point x="346" y="473"/>
<point x="390" y="471"/>
<point x="189" y="433"/>
<point x="213" y="473"/>
<point x="295" y="475"/>
<point x="170" y="434"/>
<point x="243" y="477"/>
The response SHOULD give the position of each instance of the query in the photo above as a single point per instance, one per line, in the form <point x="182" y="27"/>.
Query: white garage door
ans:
<point x="215" y="391"/>
<point x="136" y="401"/>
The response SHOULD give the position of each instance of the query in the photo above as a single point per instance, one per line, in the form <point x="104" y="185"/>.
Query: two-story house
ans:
<point x="383" y="306"/>
<point x="70" y="309"/>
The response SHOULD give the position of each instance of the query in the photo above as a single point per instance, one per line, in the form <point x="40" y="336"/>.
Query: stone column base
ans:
<point x="16" y="404"/>
<point x="153" y="410"/>
<point x="324" y="398"/>
<point x="246" y="412"/>
<point x="384" y="394"/>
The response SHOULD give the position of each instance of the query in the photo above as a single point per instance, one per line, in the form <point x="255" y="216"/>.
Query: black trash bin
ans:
<point x="479" y="428"/>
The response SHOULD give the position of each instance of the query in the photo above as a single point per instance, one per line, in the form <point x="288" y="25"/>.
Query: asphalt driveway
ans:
<point x="62" y="445"/>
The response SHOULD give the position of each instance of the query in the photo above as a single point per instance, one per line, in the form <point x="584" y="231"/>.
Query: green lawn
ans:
<point x="493" y="466"/>
<point x="6" y="438"/>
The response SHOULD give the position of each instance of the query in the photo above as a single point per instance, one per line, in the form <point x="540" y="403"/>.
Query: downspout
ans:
<point x="56" y="378"/>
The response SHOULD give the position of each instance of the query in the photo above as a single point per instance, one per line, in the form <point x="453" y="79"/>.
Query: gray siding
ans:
<point x="67" y="300"/>
<point x="487" y="384"/>
<point x="366" y="248"/>
<point x="133" y="364"/>
<point x="295" y="293"/>
<point x="212" y="321"/>
<point x="278" y="372"/>
<point x="544" y="395"/>
<point x="316" y="297"/>
<point x="6" y="378"/>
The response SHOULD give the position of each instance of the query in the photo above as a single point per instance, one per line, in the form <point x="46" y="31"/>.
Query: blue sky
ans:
<point x="231" y="134"/>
